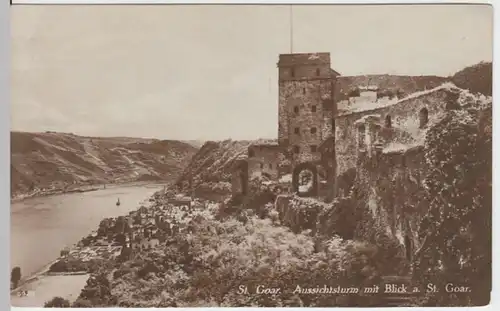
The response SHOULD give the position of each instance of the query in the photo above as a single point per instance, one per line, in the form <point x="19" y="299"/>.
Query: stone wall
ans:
<point x="239" y="178"/>
<point x="404" y="124"/>
<point x="299" y="214"/>
<point x="305" y="119"/>
<point x="264" y="160"/>
<point x="305" y="104"/>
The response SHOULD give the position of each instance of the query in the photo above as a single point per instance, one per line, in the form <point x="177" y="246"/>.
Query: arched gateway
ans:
<point x="303" y="185"/>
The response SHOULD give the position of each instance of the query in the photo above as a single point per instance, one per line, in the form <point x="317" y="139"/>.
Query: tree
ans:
<point x="97" y="290"/>
<point x="57" y="302"/>
<point x="121" y="239"/>
<point x="15" y="276"/>
<point x="104" y="227"/>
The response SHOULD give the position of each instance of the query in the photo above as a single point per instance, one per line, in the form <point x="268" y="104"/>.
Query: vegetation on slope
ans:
<point x="205" y="263"/>
<point x="457" y="232"/>
<point x="476" y="78"/>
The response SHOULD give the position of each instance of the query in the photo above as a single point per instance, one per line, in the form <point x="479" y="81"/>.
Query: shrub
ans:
<point x="97" y="290"/>
<point x="121" y="272"/>
<point x="82" y="303"/>
<point x="15" y="276"/>
<point x="57" y="302"/>
<point x="354" y="92"/>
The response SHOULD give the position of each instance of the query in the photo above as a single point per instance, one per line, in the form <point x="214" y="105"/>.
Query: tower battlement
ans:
<point x="304" y="66"/>
<point x="304" y="59"/>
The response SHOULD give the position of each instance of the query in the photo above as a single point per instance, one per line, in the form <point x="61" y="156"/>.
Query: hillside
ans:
<point x="56" y="160"/>
<point x="476" y="78"/>
<point x="210" y="167"/>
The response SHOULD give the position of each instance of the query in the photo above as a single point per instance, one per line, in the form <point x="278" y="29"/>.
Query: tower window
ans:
<point x="261" y="166"/>
<point x="303" y="90"/>
<point x="296" y="149"/>
<point x="313" y="130"/>
<point x="313" y="108"/>
<point x="297" y="131"/>
<point x="314" y="148"/>
<point x="292" y="72"/>
<point x="317" y="71"/>
<point x="296" y="109"/>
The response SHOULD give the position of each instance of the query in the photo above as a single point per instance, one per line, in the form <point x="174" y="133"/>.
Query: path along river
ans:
<point x="41" y="227"/>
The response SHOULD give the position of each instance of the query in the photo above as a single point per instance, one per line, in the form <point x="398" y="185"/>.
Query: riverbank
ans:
<point x="80" y="189"/>
<point x="42" y="289"/>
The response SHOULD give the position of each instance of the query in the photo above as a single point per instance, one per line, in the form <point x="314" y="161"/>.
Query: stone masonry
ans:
<point x="306" y="107"/>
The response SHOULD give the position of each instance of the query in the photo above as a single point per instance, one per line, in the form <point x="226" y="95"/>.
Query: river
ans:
<point x="41" y="227"/>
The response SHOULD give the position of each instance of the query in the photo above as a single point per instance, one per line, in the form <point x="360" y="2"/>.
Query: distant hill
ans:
<point x="407" y="84"/>
<point x="476" y="78"/>
<point x="45" y="160"/>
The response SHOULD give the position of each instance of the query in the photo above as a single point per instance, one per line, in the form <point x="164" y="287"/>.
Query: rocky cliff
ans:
<point x="210" y="168"/>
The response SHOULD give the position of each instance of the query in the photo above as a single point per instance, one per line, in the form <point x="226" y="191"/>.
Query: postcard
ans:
<point x="251" y="155"/>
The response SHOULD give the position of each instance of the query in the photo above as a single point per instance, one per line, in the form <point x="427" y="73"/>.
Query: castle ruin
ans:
<point x="331" y="135"/>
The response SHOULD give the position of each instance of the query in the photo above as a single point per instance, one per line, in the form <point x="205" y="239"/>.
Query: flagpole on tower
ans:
<point x="291" y="29"/>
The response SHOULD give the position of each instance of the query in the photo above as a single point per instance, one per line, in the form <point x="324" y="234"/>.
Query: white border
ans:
<point x="250" y="2"/>
<point x="5" y="132"/>
<point x="5" y="152"/>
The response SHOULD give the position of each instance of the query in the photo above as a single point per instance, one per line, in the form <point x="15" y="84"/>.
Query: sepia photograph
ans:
<point x="251" y="155"/>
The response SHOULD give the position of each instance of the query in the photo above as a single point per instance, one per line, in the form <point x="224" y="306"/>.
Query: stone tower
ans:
<point x="306" y="106"/>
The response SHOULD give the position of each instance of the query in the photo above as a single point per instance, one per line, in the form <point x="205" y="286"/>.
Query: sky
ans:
<point x="208" y="72"/>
